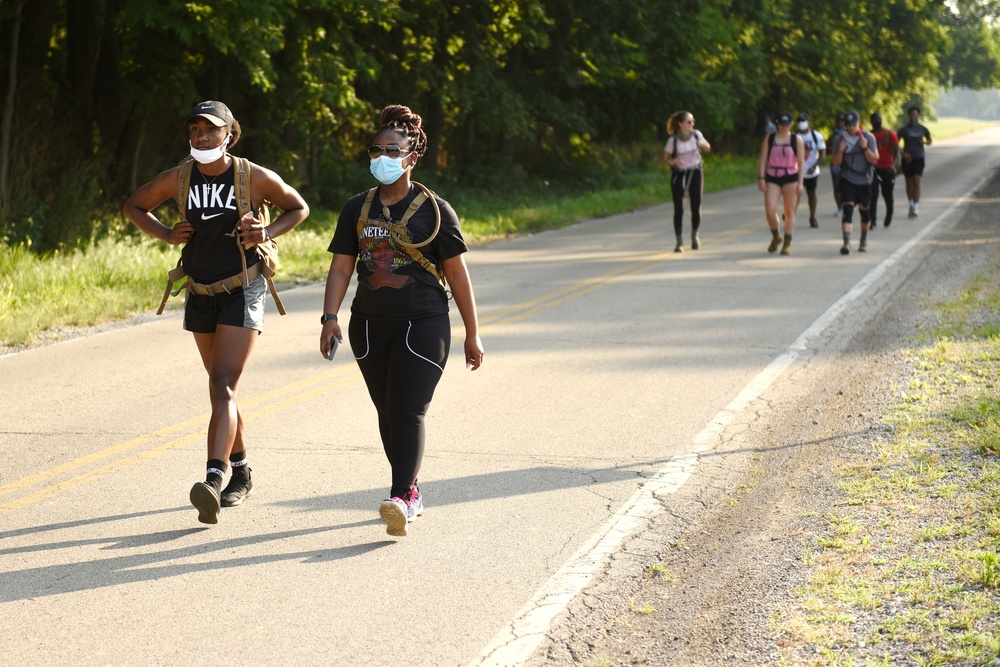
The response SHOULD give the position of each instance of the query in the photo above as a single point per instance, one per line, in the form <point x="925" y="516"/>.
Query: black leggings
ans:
<point x="691" y="181"/>
<point x="885" y="179"/>
<point x="401" y="361"/>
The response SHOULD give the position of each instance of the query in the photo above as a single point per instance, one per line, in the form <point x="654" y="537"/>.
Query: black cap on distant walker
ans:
<point x="784" y="118"/>
<point x="216" y="113"/>
<point x="803" y="116"/>
<point x="851" y="118"/>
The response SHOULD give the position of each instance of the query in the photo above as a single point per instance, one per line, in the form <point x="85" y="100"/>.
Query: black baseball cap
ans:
<point x="841" y="117"/>
<point x="216" y="113"/>
<point x="851" y="118"/>
<point x="803" y="116"/>
<point x="784" y="118"/>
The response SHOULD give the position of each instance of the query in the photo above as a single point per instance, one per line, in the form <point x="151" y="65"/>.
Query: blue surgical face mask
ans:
<point x="386" y="169"/>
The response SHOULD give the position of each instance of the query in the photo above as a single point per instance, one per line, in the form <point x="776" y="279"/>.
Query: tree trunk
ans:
<point x="7" y="125"/>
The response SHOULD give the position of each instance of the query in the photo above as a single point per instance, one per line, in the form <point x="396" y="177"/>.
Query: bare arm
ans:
<point x="266" y="184"/>
<point x="762" y="166"/>
<point x="337" y="281"/>
<point x="456" y="273"/>
<point x="138" y="209"/>
<point x="703" y="143"/>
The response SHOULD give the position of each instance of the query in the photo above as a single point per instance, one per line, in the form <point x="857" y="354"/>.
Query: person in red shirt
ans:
<point x="885" y="168"/>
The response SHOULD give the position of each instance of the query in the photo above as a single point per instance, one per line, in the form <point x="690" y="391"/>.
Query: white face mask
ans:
<point x="803" y="125"/>
<point x="212" y="154"/>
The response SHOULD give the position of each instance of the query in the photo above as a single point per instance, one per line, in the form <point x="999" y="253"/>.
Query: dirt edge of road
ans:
<point x="700" y="585"/>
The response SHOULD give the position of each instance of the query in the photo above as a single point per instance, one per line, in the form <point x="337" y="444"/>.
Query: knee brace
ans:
<point x="866" y="216"/>
<point x="848" y="213"/>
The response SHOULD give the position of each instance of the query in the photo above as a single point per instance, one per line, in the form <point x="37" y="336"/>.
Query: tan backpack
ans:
<point x="268" y="250"/>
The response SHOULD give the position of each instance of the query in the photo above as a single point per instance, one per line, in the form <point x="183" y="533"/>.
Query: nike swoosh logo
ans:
<point x="206" y="216"/>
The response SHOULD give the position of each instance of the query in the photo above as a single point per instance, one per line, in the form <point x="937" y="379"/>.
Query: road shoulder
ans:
<point x="703" y="582"/>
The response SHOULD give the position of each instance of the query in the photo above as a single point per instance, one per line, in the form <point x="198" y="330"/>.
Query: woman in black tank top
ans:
<point x="225" y="322"/>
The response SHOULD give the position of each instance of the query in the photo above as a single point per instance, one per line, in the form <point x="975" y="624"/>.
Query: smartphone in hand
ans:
<point x="334" y="342"/>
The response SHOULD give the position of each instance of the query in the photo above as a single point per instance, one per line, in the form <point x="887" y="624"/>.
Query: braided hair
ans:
<point x="399" y="118"/>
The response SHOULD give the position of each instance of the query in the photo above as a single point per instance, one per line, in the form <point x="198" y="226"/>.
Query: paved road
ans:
<point x="610" y="361"/>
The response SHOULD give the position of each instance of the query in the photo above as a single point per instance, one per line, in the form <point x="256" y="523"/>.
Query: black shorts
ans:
<point x="914" y="167"/>
<point x="782" y="180"/>
<point x="810" y="183"/>
<point x="243" y="307"/>
<point x="852" y="193"/>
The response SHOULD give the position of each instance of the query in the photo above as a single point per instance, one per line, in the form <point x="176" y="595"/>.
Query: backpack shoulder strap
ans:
<point x="241" y="181"/>
<point x="184" y="183"/>
<point x="365" y="208"/>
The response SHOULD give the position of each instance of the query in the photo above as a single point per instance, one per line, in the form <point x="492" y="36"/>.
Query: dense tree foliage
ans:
<point x="95" y="91"/>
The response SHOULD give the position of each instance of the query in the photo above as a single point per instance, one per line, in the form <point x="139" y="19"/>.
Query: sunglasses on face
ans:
<point x="392" y="152"/>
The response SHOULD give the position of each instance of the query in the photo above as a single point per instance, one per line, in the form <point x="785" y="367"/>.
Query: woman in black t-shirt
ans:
<point x="400" y="330"/>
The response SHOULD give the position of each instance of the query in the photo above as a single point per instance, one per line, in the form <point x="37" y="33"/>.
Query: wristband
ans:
<point x="326" y="317"/>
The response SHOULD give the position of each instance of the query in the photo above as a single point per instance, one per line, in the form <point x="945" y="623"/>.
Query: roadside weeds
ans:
<point x="908" y="571"/>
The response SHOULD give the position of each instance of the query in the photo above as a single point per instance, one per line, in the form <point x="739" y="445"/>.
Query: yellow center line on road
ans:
<point x="298" y="392"/>
<point x="141" y="440"/>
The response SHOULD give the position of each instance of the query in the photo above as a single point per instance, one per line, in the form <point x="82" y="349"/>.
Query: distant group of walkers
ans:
<point x="404" y="243"/>
<point x="863" y="166"/>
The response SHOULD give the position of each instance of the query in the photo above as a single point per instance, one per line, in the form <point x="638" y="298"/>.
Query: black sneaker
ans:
<point x="695" y="243"/>
<point x="206" y="499"/>
<point x="845" y="249"/>
<point x="393" y="512"/>
<point x="414" y="504"/>
<point x="240" y="488"/>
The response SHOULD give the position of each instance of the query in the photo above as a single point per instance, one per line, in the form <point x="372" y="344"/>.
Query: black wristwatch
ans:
<point x="325" y="317"/>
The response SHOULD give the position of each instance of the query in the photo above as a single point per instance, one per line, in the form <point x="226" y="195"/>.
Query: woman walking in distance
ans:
<point x="683" y="153"/>
<point x="400" y="331"/>
<point x="780" y="175"/>
<point x="224" y="306"/>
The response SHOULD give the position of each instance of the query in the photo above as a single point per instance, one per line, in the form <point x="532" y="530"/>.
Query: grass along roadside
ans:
<point x="909" y="571"/>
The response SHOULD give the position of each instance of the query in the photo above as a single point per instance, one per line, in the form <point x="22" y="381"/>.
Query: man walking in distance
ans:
<point x="856" y="155"/>
<point x="914" y="137"/>
<point x="885" y="169"/>
<point x="815" y="149"/>
<point x="831" y="147"/>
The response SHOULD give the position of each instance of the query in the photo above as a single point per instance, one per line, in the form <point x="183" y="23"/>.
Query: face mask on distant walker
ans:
<point x="212" y="154"/>
<point x="387" y="170"/>
<point x="803" y="126"/>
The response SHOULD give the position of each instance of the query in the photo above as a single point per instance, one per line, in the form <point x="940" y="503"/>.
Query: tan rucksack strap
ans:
<point x="175" y="274"/>
<point x="184" y="184"/>
<point x="397" y="230"/>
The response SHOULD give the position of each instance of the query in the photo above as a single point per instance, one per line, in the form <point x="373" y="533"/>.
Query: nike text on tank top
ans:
<point x="212" y="253"/>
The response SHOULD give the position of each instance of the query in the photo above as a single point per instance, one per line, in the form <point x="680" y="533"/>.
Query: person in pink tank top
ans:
<point x="780" y="174"/>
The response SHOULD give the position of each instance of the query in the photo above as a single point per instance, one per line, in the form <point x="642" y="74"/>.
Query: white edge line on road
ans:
<point x="515" y="643"/>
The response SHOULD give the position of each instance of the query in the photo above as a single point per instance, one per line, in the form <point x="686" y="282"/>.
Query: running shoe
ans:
<point x="240" y="488"/>
<point x="863" y="246"/>
<point x="775" y="242"/>
<point x="695" y="242"/>
<point x="206" y="500"/>
<point x="845" y="249"/>
<point x="393" y="512"/>
<point x="813" y="222"/>
<point x="414" y="504"/>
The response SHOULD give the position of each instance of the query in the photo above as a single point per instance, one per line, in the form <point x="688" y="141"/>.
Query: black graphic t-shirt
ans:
<point x="391" y="284"/>
<point x="212" y="253"/>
